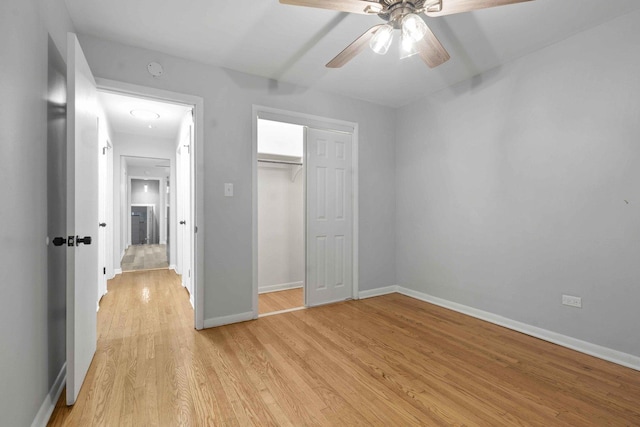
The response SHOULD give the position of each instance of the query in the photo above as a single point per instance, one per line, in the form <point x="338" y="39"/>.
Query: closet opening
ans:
<point x="305" y="210"/>
<point x="281" y="216"/>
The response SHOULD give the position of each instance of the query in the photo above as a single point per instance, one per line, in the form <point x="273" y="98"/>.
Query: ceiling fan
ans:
<point x="404" y="15"/>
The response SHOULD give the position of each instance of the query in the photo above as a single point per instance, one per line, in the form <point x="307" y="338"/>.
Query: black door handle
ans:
<point x="103" y="224"/>
<point x="86" y="240"/>
<point x="59" y="241"/>
<point x="183" y="222"/>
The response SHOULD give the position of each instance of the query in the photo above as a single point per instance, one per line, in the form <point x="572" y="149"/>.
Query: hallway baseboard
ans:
<point x="49" y="403"/>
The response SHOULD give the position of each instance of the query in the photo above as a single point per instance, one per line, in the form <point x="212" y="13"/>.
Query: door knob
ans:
<point x="59" y="241"/>
<point x="183" y="222"/>
<point x="103" y="224"/>
<point x="86" y="240"/>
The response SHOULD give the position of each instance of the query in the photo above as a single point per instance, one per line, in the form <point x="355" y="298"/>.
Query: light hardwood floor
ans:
<point x="280" y="300"/>
<point x="390" y="361"/>
<point x="144" y="257"/>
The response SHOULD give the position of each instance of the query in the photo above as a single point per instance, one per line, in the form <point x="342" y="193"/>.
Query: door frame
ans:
<point x="316" y="122"/>
<point x="197" y="175"/>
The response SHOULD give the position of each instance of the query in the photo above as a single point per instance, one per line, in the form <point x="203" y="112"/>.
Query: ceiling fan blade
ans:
<point x="431" y="50"/>
<point x="354" y="48"/>
<point x="351" y="6"/>
<point x="449" y="7"/>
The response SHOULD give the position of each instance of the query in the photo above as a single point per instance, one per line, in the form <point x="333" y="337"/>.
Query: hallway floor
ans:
<point x="144" y="257"/>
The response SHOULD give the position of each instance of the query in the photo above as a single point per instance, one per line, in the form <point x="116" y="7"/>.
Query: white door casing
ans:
<point x="102" y="231"/>
<point x="82" y="216"/>
<point x="178" y="211"/>
<point x="329" y="233"/>
<point x="184" y="211"/>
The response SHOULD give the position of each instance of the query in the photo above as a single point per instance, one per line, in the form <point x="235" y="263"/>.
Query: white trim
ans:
<point x="50" y="400"/>
<point x="280" y="287"/>
<point x="117" y="271"/>
<point x="316" y="122"/>
<point x="227" y="320"/>
<point x="615" y="356"/>
<point x="198" y="181"/>
<point x="286" y="310"/>
<point x="378" y="292"/>
<point x="172" y="267"/>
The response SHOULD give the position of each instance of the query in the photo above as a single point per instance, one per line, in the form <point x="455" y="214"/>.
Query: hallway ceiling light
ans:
<point x="145" y="114"/>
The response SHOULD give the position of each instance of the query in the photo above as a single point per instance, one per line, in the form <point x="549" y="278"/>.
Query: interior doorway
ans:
<point x="322" y="154"/>
<point x="147" y="127"/>
<point x="281" y="213"/>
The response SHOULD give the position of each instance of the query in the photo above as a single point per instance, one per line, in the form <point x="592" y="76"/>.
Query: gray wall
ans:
<point x="228" y="97"/>
<point x="523" y="184"/>
<point x="30" y="309"/>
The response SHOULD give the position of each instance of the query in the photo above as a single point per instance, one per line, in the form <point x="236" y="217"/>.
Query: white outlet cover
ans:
<point x="228" y="189"/>
<point x="572" y="301"/>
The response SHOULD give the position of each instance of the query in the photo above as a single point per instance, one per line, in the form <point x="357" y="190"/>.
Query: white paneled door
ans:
<point x="184" y="208"/>
<point x="329" y="217"/>
<point x="82" y="217"/>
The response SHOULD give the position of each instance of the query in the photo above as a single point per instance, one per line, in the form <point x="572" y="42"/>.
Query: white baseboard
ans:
<point x="117" y="271"/>
<point x="172" y="267"/>
<point x="227" y="320"/>
<point x="615" y="356"/>
<point x="377" y="292"/>
<point x="50" y="400"/>
<point x="280" y="287"/>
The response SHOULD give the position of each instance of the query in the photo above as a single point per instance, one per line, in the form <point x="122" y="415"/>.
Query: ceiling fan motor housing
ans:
<point x="396" y="9"/>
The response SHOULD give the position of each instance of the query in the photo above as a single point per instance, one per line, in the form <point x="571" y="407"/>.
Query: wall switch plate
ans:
<point x="228" y="189"/>
<point x="572" y="301"/>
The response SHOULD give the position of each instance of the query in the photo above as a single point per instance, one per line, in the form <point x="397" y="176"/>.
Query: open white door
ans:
<point x="102" y="215"/>
<point x="184" y="210"/>
<point x="82" y="217"/>
<point x="329" y="217"/>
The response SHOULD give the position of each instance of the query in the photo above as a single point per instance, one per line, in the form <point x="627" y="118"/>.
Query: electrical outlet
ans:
<point x="572" y="301"/>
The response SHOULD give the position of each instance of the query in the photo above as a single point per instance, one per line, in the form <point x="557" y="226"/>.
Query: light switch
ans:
<point x="228" y="189"/>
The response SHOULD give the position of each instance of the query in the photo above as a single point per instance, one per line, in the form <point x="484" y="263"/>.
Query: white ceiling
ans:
<point x="147" y="166"/>
<point x="118" y="109"/>
<point x="292" y="43"/>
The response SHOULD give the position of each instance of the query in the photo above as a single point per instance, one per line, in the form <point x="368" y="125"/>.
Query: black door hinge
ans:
<point x="104" y="270"/>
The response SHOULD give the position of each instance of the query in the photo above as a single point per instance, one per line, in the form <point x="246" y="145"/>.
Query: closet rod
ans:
<point x="282" y="162"/>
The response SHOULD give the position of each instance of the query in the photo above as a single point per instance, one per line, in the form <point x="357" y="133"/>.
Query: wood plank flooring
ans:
<point x="280" y="300"/>
<point x="144" y="257"/>
<point x="389" y="361"/>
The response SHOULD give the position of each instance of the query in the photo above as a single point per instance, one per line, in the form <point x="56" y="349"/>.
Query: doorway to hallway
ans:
<point x="148" y="131"/>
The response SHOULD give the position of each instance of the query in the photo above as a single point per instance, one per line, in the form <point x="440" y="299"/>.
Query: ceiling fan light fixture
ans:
<point x="407" y="47"/>
<point x="413" y="27"/>
<point x="381" y="40"/>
